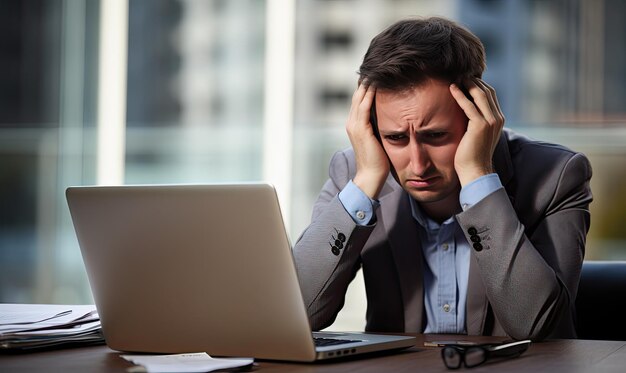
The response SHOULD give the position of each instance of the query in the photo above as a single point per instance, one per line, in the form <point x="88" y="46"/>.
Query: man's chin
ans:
<point x="426" y="196"/>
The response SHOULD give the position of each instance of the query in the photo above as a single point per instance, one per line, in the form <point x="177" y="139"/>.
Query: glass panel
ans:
<point x="46" y="117"/>
<point x="195" y="84"/>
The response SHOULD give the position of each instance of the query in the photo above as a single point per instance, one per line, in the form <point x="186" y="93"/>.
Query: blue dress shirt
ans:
<point x="445" y="249"/>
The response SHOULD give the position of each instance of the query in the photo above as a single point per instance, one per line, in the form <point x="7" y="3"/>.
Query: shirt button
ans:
<point x="446" y="307"/>
<point x="360" y="215"/>
<point x="444" y="247"/>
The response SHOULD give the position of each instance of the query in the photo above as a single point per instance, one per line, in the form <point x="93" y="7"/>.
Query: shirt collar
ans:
<point x="422" y="219"/>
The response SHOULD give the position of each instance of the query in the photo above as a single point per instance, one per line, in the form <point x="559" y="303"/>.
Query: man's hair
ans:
<point x="411" y="51"/>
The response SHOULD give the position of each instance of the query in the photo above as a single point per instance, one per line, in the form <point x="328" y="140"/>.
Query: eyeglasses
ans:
<point x="455" y="355"/>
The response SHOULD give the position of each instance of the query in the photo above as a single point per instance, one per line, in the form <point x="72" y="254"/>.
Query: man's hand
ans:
<point x="372" y="164"/>
<point x="474" y="155"/>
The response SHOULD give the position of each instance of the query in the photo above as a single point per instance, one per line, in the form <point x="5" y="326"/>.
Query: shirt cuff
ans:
<point x="478" y="189"/>
<point x="357" y="203"/>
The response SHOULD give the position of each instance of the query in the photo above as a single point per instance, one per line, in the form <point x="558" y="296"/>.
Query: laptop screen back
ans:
<point x="192" y="268"/>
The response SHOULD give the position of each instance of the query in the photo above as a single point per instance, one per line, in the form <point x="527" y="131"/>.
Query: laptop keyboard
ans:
<point x="323" y="342"/>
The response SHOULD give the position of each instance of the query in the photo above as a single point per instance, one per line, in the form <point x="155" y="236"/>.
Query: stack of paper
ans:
<point x="29" y="326"/>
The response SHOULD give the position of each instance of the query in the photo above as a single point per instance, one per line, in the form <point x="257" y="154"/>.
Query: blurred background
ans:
<point x="210" y="91"/>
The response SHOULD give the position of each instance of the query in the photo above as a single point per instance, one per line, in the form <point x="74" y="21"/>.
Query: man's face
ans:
<point x="420" y="130"/>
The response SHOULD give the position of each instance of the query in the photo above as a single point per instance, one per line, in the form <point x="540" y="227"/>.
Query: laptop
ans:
<point x="188" y="268"/>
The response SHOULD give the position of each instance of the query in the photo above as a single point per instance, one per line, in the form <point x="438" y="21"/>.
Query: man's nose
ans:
<point x="420" y="161"/>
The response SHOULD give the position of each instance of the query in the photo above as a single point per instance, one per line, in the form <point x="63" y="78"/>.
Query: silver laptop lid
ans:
<point x="192" y="268"/>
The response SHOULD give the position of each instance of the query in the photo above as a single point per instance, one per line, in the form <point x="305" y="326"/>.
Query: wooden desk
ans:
<point x="551" y="356"/>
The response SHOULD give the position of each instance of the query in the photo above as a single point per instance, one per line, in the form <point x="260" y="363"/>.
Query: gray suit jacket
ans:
<point x="523" y="281"/>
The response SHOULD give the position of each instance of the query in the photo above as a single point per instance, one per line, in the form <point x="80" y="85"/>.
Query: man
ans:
<point x="459" y="225"/>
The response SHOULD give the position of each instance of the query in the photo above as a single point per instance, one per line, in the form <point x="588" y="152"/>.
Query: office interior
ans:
<point x="214" y="91"/>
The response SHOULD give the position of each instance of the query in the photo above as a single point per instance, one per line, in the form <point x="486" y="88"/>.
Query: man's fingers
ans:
<point x="484" y="108"/>
<point x="483" y="101"/>
<point x="492" y="99"/>
<point x="362" y="101"/>
<point x="371" y="162"/>
<point x="496" y="104"/>
<point x="475" y="151"/>
<point x="366" y="102"/>
<point x="471" y="111"/>
<point x="357" y="97"/>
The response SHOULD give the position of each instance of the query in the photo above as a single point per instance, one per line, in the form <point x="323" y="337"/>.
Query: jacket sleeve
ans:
<point x="324" y="275"/>
<point x="531" y="279"/>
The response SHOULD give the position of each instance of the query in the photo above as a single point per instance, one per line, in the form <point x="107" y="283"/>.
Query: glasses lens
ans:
<point x="475" y="356"/>
<point x="451" y="357"/>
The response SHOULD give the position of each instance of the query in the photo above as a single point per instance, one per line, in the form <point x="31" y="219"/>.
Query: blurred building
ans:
<point x="195" y="63"/>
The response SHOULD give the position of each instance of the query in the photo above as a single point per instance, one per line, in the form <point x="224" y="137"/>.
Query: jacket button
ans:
<point x="472" y="231"/>
<point x="341" y="237"/>
<point x="335" y="250"/>
<point x="475" y="238"/>
<point x="477" y="246"/>
<point x="339" y="244"/>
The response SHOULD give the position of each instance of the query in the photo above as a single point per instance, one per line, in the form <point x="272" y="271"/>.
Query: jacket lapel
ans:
<point x="404" y="243"/>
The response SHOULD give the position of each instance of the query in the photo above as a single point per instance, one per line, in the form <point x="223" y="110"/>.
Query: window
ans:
<point x="197" y="86"/>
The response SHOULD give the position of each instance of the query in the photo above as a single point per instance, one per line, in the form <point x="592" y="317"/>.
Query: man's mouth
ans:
<point x="422" y="183"/>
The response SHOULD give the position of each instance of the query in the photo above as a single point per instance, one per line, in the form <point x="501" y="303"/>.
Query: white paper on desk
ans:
<point x="18" y="316"/>
<point x="192" y="362"/>
<point x="64" y="316"/>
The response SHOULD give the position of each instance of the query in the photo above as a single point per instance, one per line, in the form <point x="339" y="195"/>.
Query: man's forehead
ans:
<point x="421" y="102"/>
<point x="423" y="84"/>
<point x="432" y="91"/>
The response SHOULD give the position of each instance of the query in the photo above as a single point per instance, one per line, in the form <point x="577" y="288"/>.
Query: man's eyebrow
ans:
<point x="393" y="132"/>
<point x="431" y="130"/>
